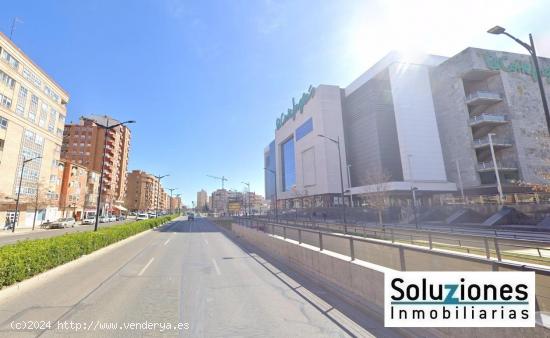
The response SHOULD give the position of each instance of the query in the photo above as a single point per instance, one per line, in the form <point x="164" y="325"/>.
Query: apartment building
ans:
<point x="142" y="191"/>
<point x="32" y="118"/>
<point x="74" y="184"/>
<point x="202" y="199"/>
<point x="85" y="143"/>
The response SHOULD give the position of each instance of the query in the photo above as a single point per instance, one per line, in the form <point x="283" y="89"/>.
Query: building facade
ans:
<point x="74" y="184"/>
<point x="84" y="144"/>
<point x="412" y="123"/>
<point x="142" y="190"/>
<point x="488" y="99"/>
<point x="32" y="118"/>
<point x="202" y="200"/>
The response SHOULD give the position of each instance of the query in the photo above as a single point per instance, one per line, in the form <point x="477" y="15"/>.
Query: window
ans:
<point x="7" y="80"/>
<point x="53" y="120"/>
<point x="43" y="115"/>
<point x="51" y="93"/>
<point x="10" y="59"/>
<point x="288" y="163"/>
<point x="304" y="129"/>
<point x="29" y="135"/>
<point x="39" y="140"/>
<point x="32" y="77"/>
<point x="1" y="144"/>
<point x="3" y="123"/>
<point x="5" y="101"/>
<point x="33" y="108"/>
<point x="21" y="101"/>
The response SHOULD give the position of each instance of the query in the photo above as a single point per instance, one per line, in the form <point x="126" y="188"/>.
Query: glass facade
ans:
<point x="269" y="178"/>
<point x="288" y="164"/>
<point x="304" y="129"/>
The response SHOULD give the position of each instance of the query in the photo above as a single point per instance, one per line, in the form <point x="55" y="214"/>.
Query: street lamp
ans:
<point x="497" y="30"/>
<point x="158" y="193"/>
<point x="106" y="127"/>
<point x="171" y="189"/>
<point x="337" y="141"/>
<point x="16" y="218"/>
<point x="276" y="211"/>
<point x="413" y="191"/>
<point x="179" y="204"/>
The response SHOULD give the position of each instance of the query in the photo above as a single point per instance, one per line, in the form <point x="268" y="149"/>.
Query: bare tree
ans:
<point x="378" y="196"/>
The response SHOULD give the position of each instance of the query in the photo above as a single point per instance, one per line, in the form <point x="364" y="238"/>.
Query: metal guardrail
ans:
<point x="486" y="247"/>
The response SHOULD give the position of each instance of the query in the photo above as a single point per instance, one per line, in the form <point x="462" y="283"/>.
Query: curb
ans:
<point x="35" y="281"/>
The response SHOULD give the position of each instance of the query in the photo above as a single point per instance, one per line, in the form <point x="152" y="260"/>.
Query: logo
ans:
<point x="296" y="107"/>
<point x="459" y="299"/>
<point x="494" y="62"/>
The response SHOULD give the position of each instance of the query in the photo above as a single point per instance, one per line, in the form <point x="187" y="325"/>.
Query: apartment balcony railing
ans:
<point x="498" y="142"/>
<point x="488" y="119"/>
<point x="482" y="97"/>
<point x="501" y="165"/>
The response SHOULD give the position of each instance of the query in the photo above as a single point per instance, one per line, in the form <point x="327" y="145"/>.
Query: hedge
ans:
<point x="28" y="258"/>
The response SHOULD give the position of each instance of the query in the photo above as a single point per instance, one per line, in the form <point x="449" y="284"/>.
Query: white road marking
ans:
<point x="168" y="240"/>
<point x="146" y="266"/>
<point x="216" y="267"/>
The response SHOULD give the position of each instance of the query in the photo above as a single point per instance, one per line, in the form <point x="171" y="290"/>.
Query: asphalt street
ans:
<point x="186" y="274"/>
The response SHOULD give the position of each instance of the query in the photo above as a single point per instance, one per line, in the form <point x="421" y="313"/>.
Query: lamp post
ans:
<point x="497" y="30"/>
<point x="276" y="210"/>
<point x="337" y="141"/>
<point x="16" y="218"/>
<point x="106" y="127"/>
<point x="349" y="185"/>
<point x="171" y="189"/>
<point x="179" y="204"/>
<point x="158" y="193"/>
<point x="495" y="166"/>
<point x="413" y="191"/>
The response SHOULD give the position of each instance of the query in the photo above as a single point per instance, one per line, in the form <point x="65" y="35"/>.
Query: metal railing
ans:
<point x="488" y="118"/>
<point x="496" y="141"/>
<point x="500" y="165"/>
<point x="483" y="94"/>
<point x="481" y="246"/>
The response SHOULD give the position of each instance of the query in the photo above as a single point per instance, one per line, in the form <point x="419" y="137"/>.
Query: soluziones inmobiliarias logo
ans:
<point x="459" y="299"/>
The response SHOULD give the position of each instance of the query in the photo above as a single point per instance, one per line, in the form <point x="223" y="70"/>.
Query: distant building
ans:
<point x="142" y="191"/>
<point x="84" y="144"/>
<point x="32" y="116"/>
<point x="220" y="199"/>
<point x="202" y="199"/>
<point x="76" y="195"/>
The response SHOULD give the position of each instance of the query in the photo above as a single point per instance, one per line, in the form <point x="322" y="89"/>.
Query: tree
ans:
<point x="377" y="197"/>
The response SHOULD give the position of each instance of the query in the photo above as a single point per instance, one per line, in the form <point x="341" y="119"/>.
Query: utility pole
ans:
<point x="158" y="177"/>
<point x="248" y="196"/>
<point x="349" y="185"/>
<point x="171" y="189"/>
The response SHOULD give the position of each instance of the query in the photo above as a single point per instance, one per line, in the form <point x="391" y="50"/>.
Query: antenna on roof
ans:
<point x="13" y="23"/>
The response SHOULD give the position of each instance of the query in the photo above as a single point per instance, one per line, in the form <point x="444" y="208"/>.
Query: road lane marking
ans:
<point x="216" y="267"/>
<point x="168" y="240"/>
<point x="146" y="266"/>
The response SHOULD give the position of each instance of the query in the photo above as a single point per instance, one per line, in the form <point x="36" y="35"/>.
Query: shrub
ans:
<point x="28" y="258"/>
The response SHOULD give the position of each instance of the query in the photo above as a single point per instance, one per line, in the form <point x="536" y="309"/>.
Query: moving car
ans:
<point x="190" y="216"/>
<point x="65" y="222"/>
<point x="142" y="216"/>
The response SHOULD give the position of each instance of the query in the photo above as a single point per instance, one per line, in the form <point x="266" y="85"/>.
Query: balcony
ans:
<point x="485" y="120"/>
<point x="498" y="143"/>
<point x="501" y="165"/>
<point x="482" y="98"/>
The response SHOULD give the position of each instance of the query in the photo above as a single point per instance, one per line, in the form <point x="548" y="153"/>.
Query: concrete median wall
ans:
<point x="363" y="278"/>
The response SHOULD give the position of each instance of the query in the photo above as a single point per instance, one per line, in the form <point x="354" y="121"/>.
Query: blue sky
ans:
<point x="206" y="79"/>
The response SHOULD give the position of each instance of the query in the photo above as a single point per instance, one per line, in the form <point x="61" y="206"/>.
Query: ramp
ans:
<point x="500" y="217"/>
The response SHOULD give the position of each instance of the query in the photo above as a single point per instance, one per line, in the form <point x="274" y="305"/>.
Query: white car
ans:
<point x="112" y="218"/>
<point x="142" y="216"/>
<point x="89" y="220"/>
<point x="66" y="222"/>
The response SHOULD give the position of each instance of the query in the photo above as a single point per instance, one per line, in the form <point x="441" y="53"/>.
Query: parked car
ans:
<point x="64" y="223"/>
<point x="120" y="217"/>
<point x="88" y="220"/>
<point x="142" y="216"/>
<point x="112" y="218"/>
<point x="104" y="219"/>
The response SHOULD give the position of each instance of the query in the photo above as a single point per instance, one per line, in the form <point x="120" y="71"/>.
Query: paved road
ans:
<point x="7" y="237"/>
<point x="189" y="273"/>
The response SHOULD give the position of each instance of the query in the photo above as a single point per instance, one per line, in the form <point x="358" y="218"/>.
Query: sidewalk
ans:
<point x="21" y="231"/>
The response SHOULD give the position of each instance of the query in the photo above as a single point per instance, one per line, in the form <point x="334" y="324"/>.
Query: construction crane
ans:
<point x="223" y="179"/>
